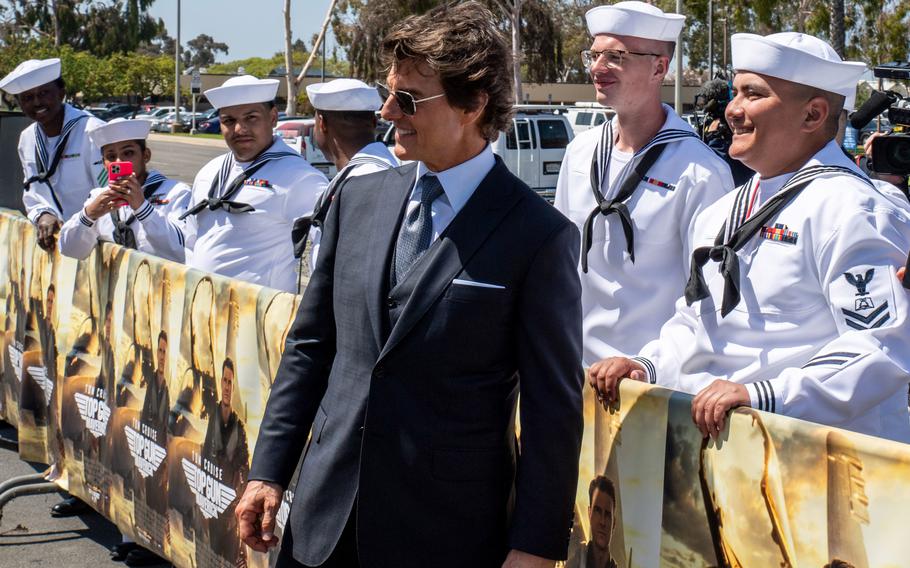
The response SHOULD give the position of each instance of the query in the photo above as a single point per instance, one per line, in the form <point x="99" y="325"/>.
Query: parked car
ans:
<point x="99" y="112"/>
<point x="158" y="113"/>
<point x="121" y="111"/>
<point x="297" y="133"/>
<point x="532" y="148"/>
<point x="165" y="123"/>
<point x="209" y="125"/>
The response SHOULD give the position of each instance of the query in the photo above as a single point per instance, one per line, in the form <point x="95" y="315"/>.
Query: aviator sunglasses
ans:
<point x="405" y="100"/>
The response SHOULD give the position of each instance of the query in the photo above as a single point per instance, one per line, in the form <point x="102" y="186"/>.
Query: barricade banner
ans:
<point x="145" y="383"/>
<point x="771" y="491"/>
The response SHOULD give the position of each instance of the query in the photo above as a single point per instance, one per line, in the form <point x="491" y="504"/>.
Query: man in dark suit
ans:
<point x="443" y="290"/>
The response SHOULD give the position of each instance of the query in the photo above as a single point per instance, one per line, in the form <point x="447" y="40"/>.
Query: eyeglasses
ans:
<point x="612" y="57"/>
<point x="405" y="100"/>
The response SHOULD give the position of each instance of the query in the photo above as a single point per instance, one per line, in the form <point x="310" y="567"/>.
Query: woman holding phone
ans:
<point x="136" y="207"/>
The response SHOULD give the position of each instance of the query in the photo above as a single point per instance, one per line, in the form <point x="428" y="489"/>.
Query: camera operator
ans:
<point x="899" y="181"/>
<point x="713" y="98"/>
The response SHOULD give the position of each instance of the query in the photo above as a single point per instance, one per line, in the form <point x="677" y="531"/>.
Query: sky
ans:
<point x="257" y="32"/>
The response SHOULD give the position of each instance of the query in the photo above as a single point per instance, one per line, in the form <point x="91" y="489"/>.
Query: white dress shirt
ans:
<point x="458" y="185"/>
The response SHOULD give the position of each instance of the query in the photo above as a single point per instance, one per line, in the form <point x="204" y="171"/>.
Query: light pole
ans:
<point x="710" y="39"/>
<point x="677" y="88"/>
<point x="726" y="75"/>
<point x="175" y="127"/>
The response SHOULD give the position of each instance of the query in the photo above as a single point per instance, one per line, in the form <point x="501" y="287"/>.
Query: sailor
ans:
<point x="634" y="185"/>
<point x="138" y="211"/>
<point x="244" y="203"/>
<point x="345" y="132"/>
<point x="792" y="305"/>
<point x="60" y="163"/>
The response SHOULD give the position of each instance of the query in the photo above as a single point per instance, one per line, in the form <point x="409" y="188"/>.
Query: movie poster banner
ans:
<point x="145" y="384"/>
<point x="772" y="491"/>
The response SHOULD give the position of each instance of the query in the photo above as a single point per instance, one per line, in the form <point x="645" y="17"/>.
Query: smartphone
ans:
<point x="907" y="274"/>
<point x="117" y="170"/>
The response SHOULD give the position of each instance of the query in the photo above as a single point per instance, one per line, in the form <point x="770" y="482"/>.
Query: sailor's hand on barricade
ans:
<point x="604" y="376"/>
<point x="710" y="406"/>
<point x="256" y="513"/>
<point x="901" y="272"/>
<point x="47" y="226"/>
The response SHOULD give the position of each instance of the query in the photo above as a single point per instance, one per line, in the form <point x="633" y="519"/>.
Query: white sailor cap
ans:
<point x="798" y="58"/>
<point x="242" y="90"/>
<point x="118" y="130"/>
<point x="30" y="74"/>
<point x="344" y="94"/>
<point x="636" y="19"/>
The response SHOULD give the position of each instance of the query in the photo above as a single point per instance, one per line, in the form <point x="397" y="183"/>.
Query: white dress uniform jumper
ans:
<point x="801" y="305"/>
<point x="636" y="215"/>
<point x="62" y="170"/>
<point x="241" y="214"/>
<point x="152" y="228"/>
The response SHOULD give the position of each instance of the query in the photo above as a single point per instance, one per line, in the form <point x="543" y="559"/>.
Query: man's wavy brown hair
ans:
<point x="461" y="44"/>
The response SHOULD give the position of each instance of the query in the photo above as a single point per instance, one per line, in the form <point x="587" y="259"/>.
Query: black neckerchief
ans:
<point x="741" y="232"/>
<point x="123" y="235"/>
<point x="599" y="164"/>
<point x="221" y="199"/>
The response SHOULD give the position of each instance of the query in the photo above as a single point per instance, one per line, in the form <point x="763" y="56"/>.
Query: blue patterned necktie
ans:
<point x="417" y="229"/>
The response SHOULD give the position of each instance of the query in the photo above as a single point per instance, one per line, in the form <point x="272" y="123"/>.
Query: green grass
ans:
<point x="188" y="135"/>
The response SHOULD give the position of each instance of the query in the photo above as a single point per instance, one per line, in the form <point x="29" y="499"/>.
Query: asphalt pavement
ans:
<point x="31" y="538"/>
<point x="181" y="157"/>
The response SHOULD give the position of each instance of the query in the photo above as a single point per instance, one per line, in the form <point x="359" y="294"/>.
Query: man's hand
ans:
<point x="256" y="512"/>
<point x="710" y="406"/>
<point x="130" y="190"/>
<point x="519" y="559"/>
<point x="901" y="272"/>
<point x="48" y="225"/>
<point x="106" y="201"/>
<point x="604" y="376"/>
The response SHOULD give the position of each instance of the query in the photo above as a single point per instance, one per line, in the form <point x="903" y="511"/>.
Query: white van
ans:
<point x="584" y="116"/>
<point x="532" y="148"/>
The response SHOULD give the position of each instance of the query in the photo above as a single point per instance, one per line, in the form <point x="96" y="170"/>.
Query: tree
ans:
<point x="292" y="81"/>
<point x="101" y="28"/>
<point x="200" y="52"/>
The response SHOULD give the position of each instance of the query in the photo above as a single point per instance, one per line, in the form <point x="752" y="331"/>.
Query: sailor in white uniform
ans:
<point x="59" y="161"/>
<point x="345" y="132"/>
<point x="792" y="305"/>
<point x="138" y="211"/>
<point x="634" y="185"/>
<point x="244" y="203"/>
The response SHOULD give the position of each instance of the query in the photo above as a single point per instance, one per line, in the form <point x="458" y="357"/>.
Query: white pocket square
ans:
<point x="461" y="282"/>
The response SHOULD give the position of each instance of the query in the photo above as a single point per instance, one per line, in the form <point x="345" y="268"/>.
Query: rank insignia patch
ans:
<point x="658" y="183"/>
<point x="779" y="233"/>
<point x="264" y="183"/>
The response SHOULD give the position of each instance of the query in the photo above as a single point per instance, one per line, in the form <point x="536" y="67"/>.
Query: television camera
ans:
<point x="891" y="152"/>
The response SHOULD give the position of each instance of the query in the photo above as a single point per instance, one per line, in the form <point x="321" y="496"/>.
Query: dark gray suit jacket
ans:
<point x="411" y="393"/>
